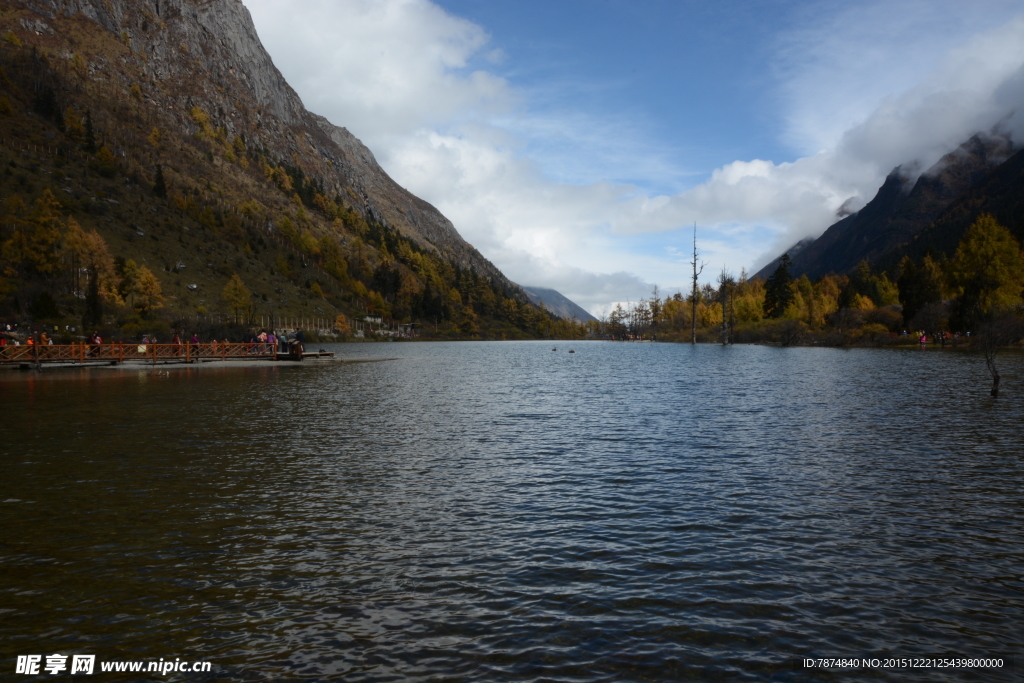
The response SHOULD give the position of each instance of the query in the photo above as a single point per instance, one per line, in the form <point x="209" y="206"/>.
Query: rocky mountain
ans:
<point x="768" y="269"/>
<point x="164" y="127"/>
<point x="207" y="54"/>
<point x="557" y="303"/>
<point x="902" y="211"/>
<point x="999" y="192"/>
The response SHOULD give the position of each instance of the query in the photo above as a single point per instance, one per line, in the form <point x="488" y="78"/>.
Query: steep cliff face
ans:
<point x="396" y="206"/>
<point x="208" y="54"/>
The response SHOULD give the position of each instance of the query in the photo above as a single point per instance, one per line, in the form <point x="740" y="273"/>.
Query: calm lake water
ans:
<point x="503" y="512"/>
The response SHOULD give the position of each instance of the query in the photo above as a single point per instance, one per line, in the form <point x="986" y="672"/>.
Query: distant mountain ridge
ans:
<point x="557" y="303"/>
<point x="908" y="216"/>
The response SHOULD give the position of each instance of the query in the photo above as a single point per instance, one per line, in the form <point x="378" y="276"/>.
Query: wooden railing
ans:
<point x="121" y="352"/>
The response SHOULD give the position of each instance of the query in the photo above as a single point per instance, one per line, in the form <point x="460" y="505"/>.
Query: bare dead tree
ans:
<point x="694" y="292"/>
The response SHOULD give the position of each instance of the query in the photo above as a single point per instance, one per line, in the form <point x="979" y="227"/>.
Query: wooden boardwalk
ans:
<point x="121" y="352"/>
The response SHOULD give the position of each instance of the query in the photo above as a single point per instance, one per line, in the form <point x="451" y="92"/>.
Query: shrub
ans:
<point x="889" y="316"/>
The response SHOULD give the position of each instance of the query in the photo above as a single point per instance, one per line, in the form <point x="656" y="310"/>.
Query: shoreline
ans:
<point x="165" y="368"/>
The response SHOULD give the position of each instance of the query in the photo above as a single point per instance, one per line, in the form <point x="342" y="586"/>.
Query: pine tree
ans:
<point x="918" y="285"/>
<point x="778" y="293"/>
<point x="159" y="185"/>
<point x="93" y="315"/>
<point x="44" y="307"/>
<point x="90" y="134"/>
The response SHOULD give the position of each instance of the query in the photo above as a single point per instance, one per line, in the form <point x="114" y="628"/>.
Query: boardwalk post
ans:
<point x="188" y="353"/>
<point x="120" y="352"/>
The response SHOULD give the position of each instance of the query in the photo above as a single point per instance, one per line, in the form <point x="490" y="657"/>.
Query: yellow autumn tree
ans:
<point x="237" y="295"/>
<point x="89" y="250"/>
<point x="202" y="121"/>
<point x="988" y="266"/>
<point x="142" y="288"/>
<point x="35" y="243"/>
<point x="342" y="326"/>
<point x="105" y="164"/>
<point x="307" y="243"/>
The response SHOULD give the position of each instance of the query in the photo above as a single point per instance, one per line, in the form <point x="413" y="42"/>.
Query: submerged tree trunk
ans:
<point x="990" y="361"/>
<point x="1002" y="329"/>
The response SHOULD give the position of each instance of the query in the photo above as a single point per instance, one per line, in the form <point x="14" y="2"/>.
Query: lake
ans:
<point x="505" y="512"/>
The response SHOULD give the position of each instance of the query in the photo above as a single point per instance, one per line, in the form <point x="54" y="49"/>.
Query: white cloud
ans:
<point x="381" y="69"/>
<point x="839" y="64"/>
<point x="858" y="101"/>
<point x="975" y="87"/>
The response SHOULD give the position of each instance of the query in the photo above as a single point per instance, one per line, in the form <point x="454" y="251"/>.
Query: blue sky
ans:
<point x="692" y="79"/>
<point x="576" y="143"/>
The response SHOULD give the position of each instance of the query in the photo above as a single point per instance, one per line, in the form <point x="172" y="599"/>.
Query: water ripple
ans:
<point x="498" y="512"/>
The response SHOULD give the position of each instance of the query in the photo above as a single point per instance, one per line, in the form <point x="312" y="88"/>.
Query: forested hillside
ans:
<point x="158" y="173"/>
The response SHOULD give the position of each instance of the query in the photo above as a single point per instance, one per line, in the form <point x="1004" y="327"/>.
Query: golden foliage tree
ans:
<point x="237" y="295"/>
<point x="989" y="265"/>
<point x="105" y="163"/>
<point x="34" y="244"/>
<point x="342" y="326"/>
<point x="89" y="250"/>
<point x="142" y="288"/>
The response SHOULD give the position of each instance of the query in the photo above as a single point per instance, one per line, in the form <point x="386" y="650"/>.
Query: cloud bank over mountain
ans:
<point x="858" y="90"/>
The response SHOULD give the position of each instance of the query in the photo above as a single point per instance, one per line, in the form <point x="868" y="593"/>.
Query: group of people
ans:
<point x="937" y="337"/>
<point x="254" y="342"/>
<point x="30" y="340"/>
<point x="265" y="337"/>
<point x="94" y="342"/>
